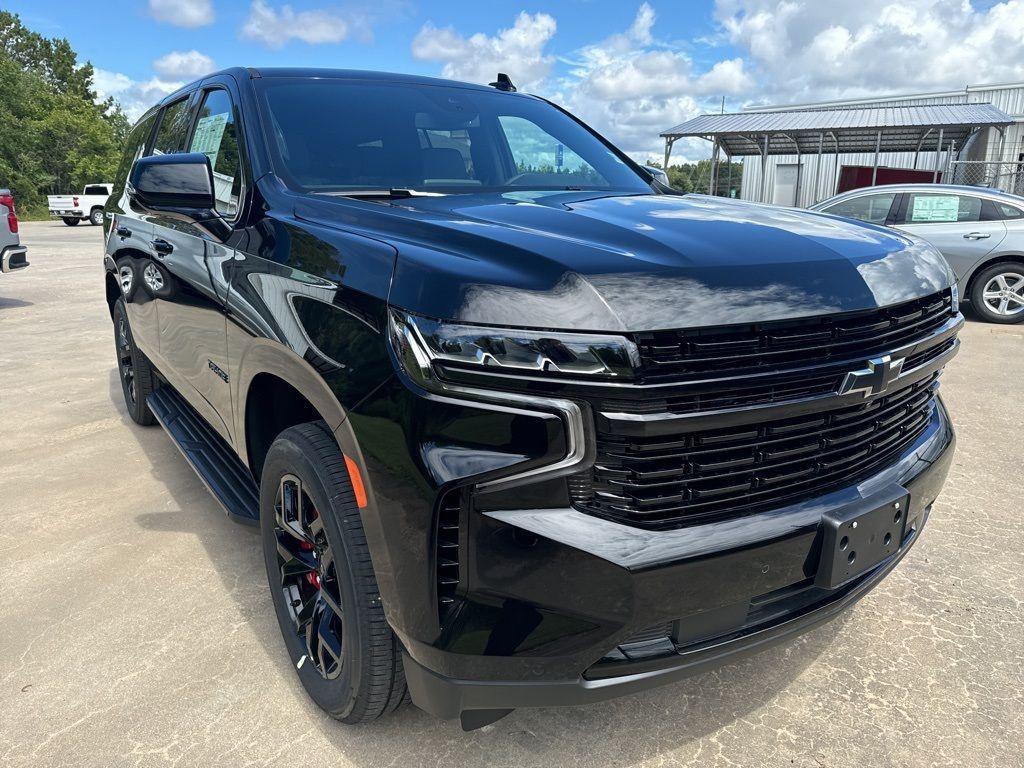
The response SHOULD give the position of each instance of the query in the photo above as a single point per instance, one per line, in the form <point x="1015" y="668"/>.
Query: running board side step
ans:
<point x="217" y="465"/>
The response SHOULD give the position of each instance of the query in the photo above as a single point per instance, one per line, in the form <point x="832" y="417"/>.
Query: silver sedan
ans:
<point x="979" y="231"/>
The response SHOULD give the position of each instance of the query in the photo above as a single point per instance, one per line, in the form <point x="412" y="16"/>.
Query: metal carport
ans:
<point x="942" y="127"/>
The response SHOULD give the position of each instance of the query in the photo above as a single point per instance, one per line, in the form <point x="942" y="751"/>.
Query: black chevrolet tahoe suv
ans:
<point x="520" y="426"/>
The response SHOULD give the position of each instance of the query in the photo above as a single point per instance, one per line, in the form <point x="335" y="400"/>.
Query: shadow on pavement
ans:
<point x="617" y="733"/>
<point x="7" y="303"/>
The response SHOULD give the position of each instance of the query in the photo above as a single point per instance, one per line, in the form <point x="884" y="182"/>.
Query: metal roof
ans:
<point x="844" y="129"/>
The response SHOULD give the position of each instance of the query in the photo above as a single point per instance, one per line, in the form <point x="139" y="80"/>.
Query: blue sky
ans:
<point x="629" y="67"/>
<point x="579" y="22"/>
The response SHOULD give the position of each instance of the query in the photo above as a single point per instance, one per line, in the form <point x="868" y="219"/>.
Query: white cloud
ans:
<point x="273" y="28"/>
<point x="726" y="78"/>
<point x="135" y="97"/>
<point x="108" y="83"/>
<point x="517" y="51"/>
<point x="182" y="13"/>
<point x="183" y="65"/>
<point x="631" y="86"/>
<point x="808" y="50"/>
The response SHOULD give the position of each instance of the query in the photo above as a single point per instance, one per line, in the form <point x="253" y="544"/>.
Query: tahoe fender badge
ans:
<point x="217" y="369"/>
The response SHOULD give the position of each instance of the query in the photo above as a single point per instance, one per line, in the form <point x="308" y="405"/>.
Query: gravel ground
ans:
<point x="136" y="627"/>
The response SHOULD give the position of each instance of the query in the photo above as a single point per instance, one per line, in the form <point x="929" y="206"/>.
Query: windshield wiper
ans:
<point x="393" y="193"/>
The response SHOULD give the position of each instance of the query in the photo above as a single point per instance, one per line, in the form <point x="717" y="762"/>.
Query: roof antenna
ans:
<point x="503" y="83"/>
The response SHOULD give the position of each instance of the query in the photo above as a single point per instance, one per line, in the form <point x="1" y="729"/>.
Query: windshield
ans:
<point x="332" y="135"/>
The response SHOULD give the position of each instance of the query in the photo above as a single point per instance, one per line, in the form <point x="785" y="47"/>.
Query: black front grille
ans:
<point x="681" y="479"/>
<point x="446" y="553"/>
<point x="779" y="389"/>
<point x="739" y="350"/>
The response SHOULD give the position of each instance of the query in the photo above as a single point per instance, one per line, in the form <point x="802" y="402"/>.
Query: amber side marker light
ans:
<point x="357" y="482"/>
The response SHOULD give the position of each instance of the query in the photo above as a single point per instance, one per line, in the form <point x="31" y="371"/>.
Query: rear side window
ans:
<point x="173" y="129"/>
<point x="95" y="190"/>
<point x="1007" y="212"/>
<point x="216" y="136"/>
<point x="873" y="209"/>
<point x="937" y="209"/>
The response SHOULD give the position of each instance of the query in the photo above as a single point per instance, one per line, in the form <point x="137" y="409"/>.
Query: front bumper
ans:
<point x="556" y="595"/>
<point x="13" y="258"/>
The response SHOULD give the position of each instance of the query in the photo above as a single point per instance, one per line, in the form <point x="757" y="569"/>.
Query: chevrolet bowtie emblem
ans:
<point x="874" y="379"/>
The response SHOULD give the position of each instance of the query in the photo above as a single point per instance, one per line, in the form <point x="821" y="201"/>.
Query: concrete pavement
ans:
<point x="136" y="626"/>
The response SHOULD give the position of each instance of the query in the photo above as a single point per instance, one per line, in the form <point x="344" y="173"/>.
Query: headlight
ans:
<point x="422" y="343"/>
<point x="955" y="292"/>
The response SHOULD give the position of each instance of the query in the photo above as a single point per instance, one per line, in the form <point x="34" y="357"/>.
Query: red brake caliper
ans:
<point x="313" y="577"/>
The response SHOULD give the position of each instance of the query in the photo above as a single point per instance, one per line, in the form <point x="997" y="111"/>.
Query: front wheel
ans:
<point x="96" y="217"/>
<point x="997" y="293"/>
<point x="134" y="369"/>
<point x="70" y="221"/>
<point x="321" y="579"/>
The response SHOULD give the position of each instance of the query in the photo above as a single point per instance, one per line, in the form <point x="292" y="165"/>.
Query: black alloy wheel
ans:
<point x="309" y="578"/>
<point x="125" y="364"/>
<point x="322" y="581"/>
<point x="133" y="368"/>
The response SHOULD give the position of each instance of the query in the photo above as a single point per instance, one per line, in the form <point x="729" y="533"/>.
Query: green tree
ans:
<point x="53" y="59"/>
<point x="54" y="136"/>
<point x="695" y="177"/>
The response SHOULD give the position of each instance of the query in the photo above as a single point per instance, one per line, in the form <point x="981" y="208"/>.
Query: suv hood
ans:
<point x="599" y="262"/>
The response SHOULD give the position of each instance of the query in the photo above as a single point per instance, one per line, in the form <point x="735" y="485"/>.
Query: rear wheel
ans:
<point x="134" y="369"/>
<point x="70" y="221"/>
<point x="322" y="581"/>
<point x="997" y="293"/>
<point x="96" y="217"/>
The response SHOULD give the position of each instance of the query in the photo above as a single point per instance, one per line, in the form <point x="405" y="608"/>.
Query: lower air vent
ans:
<point x="446" y="553"/>
<point x="651" y="633"/>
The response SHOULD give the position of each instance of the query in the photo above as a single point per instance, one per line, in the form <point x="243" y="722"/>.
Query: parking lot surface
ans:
<point x="136" y="626"/>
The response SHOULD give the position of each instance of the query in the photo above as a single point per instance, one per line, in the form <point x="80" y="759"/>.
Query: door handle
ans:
<point x="124" y="232"/>
<point x="976" y="236"/>
<point x="161" y="246"/>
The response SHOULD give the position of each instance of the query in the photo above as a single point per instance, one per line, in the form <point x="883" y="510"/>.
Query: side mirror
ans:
<point x="178" y="186"/>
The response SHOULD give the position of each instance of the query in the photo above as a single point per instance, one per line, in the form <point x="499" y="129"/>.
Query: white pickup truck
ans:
<point x="86" y="206"/>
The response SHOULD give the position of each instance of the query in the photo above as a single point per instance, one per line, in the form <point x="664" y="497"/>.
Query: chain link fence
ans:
<point x="1005" y="175"/>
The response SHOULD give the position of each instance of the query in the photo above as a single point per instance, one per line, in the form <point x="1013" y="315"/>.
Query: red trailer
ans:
<point x="857" y="176"/>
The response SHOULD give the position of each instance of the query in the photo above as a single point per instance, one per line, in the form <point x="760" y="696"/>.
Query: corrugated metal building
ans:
<point x="992" y="156"/>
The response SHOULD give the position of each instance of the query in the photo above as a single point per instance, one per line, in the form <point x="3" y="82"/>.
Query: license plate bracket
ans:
<point x="854" y="542"/>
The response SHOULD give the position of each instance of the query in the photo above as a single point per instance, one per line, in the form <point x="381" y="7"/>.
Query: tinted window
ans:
<point x="870" y="208"/>
<point x="931" y="208"/>
<point x="541" y="157"/>
<point x="135" y="145"/>
<point x="95" y="190"/>
<point x="216" y="136"/>
<point x="173" y="129"/>
<point x="1005" y="212"/>
<point x="447" y="139"/>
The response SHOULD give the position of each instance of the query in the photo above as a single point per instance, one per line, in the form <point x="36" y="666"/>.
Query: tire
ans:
<point x="997" y="293"/>
<point x="329" y="563"/>
<point x="71" y="222"/>
<point x="133" y="368"/>
<point x="96" y="217"/>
